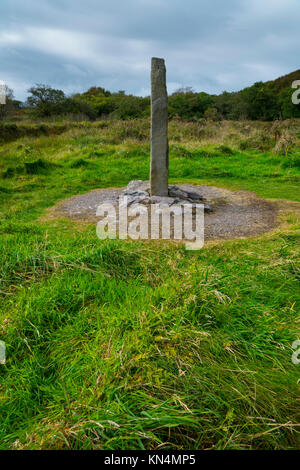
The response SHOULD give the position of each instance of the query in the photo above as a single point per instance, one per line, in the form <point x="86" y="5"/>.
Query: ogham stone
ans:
<point x="159" y="168"/>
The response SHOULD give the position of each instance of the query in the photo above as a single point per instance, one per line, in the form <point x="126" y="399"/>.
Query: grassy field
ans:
<point x="131" y="345"/>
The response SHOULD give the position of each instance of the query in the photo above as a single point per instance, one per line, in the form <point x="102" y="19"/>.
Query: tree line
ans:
<point x="262" y="101"/>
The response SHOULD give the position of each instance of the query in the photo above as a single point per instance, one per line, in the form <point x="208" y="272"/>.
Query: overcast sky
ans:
<point x="211" y="45"/>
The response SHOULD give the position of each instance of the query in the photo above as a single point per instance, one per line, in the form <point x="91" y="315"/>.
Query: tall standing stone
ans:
<point x="159" y="169"/>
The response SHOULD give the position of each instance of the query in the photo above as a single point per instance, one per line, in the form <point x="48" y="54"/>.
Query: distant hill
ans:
<point x="284" y="82"/>
<point x="266" y="101"/>
<point x="273" y="99"/>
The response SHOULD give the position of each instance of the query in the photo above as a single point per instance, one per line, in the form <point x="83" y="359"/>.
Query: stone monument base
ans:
<point x="138" y="192"/>
<point x="234" y="214"/>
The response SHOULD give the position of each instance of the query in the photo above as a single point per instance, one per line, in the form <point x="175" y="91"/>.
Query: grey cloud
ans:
<point x="210" y="45"/>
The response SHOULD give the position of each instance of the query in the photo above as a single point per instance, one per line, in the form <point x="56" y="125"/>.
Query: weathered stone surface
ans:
<point x="194" y="196"/>
<point x="159" y="168"/>
<point x="174" y="191"/>
<point x="161" y="200"/>
<point x="190" y="196"/>
<point x="137" y="185"/>
<point x="138" y="192"/>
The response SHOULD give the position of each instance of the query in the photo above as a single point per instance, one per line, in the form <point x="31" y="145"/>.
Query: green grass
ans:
<point x="117" y="345"/>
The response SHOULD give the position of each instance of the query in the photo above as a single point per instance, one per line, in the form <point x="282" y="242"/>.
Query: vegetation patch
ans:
<point x="78" y="163"/>
<point x="225" y="150"/>
<point x="118" y="344"/>
<point x="35" y="167"/>
<point x="291" y="161"/>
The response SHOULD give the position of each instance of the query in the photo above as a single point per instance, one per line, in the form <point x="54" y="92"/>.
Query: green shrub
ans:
<point x="80" y="162"/>
<point x="291" y="161"/>
<point x="11" y="131"/>
<point x="180" y="152"/>
<point x="212" y="114"/>
<point x="11" y="171"/>
<point x="33" y="168"/>
<point x="205" y="154"/>
<point x="29" y="168"/>
<point x="258" y="142"/>
<point x="225" y="150"/>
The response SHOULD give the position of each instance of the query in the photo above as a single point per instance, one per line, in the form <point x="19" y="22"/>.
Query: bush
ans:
<point x="11" y="171"/>
<point x="79" y="163"/>
<point x="258" y="142"/>
<point x="284" y="144"/>
<point x="212" y="114"/>
<point x="291" y="161"/>
<point x="75" y="106"/>
<point x="29" y="168"/>
<point x="10" y="131"/>
<point x="180" y="152"/>
<point x="33" y="168"/>
<point x="225" y="150"/>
